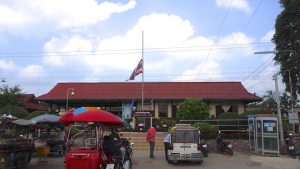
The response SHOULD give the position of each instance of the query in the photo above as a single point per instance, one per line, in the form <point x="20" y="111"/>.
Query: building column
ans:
<point x="169" y="110"/>
<point x="241" y="108"/>
<point x="156" y="110"/>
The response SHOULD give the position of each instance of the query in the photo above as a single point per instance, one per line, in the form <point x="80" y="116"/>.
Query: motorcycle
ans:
<point x="223" y="146"/>
<point x="204" y="148"/>
<point x="291" y="146"/>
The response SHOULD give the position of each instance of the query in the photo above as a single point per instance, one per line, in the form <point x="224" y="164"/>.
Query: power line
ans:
<point x="132" y="51"/>
<point x="244" y="28"/>
<point x="260" y="66"/>
<point x="217" y="33"/>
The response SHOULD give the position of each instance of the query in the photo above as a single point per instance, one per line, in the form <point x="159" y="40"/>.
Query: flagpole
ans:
<point x="143" y="71"/>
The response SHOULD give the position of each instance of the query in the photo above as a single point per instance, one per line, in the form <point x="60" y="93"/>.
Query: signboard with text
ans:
<point x="143" y="113"/>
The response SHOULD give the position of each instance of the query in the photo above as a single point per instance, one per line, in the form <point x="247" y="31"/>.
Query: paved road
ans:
<point x="141" y="160"/>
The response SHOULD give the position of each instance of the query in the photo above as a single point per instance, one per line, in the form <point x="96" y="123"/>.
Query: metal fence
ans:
<point x="233" y="128"/>
<point x="237" y="128"/>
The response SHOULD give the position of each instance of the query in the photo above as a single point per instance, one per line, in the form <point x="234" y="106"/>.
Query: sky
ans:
<point x="43" y="43"/>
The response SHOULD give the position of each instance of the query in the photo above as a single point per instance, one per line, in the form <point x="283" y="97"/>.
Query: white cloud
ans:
<point x="202" y="72"/>
<point x="7" y="65"/>
<point x="31" y="72"/>
<point x="15" y="18"/>
<point x="73" y="49"/>
<point x="56" y="14"/>
<point x="173" y="40"/>
<point x="268" y="36"/>
<point x="70" y="13"/>
<point x="235" y="4"/>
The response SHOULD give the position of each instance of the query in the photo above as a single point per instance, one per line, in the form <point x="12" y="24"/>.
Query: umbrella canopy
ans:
<point x="91" y="115"/>
<point x="46" y="118"/>
<point x="83" y="109"/>
<point x="23" y="122"/>
<point x="65" y="118"/>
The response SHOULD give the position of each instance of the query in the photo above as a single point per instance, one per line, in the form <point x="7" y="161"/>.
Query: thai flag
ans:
<point x="138" y="70"/>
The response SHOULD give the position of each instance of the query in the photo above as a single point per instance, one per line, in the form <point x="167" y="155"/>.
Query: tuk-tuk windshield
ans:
<point x="185" y="136"/>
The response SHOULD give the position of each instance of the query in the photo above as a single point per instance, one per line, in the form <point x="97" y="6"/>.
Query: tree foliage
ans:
<point x="205" y="127"/>
<point x="287" y="40"/>
<point x="35" y="114"/>
<point x="193" y="109"/>
<point x="269" y="102"/>
<point x="14" y="110"/>
<point x="9" y="96"/>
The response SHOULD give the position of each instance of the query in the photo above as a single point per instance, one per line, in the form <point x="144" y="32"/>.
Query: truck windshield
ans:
<point x="185" y="136"/>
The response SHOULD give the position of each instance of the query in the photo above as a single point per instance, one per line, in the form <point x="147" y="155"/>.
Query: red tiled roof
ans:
<point x="152" y="90"/>
<point x="28" y="102"/>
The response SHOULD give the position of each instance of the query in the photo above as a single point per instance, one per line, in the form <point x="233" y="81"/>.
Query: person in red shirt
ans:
<point x="150" y="137"/>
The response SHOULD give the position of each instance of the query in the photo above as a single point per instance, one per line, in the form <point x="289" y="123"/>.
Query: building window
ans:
<point x="226" y="108"/>
<point x="174" y="111"/>
<point x="163" y="109"/>
<point x="219" y="110"/>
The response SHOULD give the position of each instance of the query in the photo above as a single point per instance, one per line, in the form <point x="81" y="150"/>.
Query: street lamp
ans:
<point x="72" y="94"/>
<point x="277" y="97"/>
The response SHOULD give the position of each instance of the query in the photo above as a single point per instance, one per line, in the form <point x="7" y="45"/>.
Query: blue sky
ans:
<point x="43" y="43"/>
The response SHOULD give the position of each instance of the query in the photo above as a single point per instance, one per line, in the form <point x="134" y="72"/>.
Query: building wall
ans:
<point x="211" y="108"/>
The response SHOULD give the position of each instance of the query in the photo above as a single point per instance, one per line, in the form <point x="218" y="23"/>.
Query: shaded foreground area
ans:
<point x="141" y="160"/>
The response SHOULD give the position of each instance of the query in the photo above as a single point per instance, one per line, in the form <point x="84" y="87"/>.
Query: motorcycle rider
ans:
<point x="118" y="141"/>
<point x="110" y="147"/>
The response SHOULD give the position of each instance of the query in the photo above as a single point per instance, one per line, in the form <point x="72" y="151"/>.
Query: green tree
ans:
<point x="285" y="102"/>
<point x="287" y="38"/>
<point x="269" y="102"/>
<point x="14" y="110"/>
<point x="193" y="109"/>
<point x="9" y="96"/>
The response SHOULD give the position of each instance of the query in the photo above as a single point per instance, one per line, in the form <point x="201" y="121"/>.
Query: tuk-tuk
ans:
<point x="184" y="144"/>
<point x="85" y="137"/>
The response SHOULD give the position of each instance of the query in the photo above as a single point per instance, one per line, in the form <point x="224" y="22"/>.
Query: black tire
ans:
<point x="200" y="162"/>
<point x="230" y="152"/>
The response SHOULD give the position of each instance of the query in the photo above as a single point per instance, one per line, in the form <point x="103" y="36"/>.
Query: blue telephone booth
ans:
<point x="263" y="134"/>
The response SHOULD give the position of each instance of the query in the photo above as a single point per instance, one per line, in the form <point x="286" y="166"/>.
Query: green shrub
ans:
<point x="193" y="109"/>
<point x="207" y="131"/>
<point x="155" y="121"/>
<point x="205" y="127"/>
<point x="169" y="122"/>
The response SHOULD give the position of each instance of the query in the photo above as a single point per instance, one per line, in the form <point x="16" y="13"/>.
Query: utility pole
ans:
<point x="292" y="101"/>
<point x="281" y="139"/>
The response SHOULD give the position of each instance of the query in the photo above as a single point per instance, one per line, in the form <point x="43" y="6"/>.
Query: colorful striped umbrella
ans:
<point x="90" y="114"/>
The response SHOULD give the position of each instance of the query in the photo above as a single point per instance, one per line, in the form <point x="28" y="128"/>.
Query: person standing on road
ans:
<point x="167" y="144"/>
<point x="150" y="137"/>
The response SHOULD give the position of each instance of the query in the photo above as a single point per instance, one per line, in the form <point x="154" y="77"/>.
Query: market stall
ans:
<point x="16" y="144"/>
